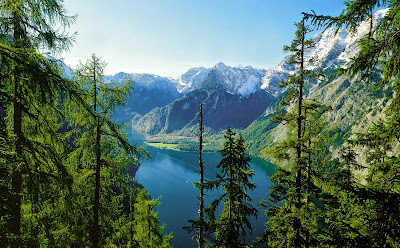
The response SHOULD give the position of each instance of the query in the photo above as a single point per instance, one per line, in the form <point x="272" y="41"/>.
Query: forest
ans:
<point x="64" y="161"/>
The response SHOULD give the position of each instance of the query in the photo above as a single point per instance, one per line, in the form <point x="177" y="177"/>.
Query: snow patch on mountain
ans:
<point x="250" y="86"/>
<point x="192" y="78"/>
<point x="332" y="47"/>
<point x="274" y="76"/>
<point x="243" y="80"/>
<point x="352" y="48"/>
<point x="240" y="80"/>
<point x="328" y="46"/>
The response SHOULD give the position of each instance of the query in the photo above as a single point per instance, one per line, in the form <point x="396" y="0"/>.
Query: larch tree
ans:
<point x="292" y="215"/>
<point x="296" y="141"/>
<point x="32" y="86"/>
<point x="102" y="152"/>
<point x="147" y="232"/>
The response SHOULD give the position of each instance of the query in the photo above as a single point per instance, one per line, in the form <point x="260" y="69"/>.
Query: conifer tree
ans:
<point x="292" y="214"/>
<point x="376" y="204"/>
<point x="100" y="146"/>
<point x="147" y="232"/>
<point x="26" y="27"/>
<point x="298" y="48"/>
<point x="230" y="228"/>
<point x="201" y="226"/>
<point x="200" y="239"/>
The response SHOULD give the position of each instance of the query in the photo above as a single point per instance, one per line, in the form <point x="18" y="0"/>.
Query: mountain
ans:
<point x="226" y="88"/>
<point x="333" y="48"/>
<point x="232" y="95"/>
<point x="241" y="81"/>
<point x="192" y="78"/>
<point x="238" y="80"/>
<point x="150" y="91"/>
<point x="246" y="98"/>
<point x="355" y="105"/>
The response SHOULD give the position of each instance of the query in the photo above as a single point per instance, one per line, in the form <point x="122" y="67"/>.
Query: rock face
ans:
<point x="226" y="104"/>
<point x="355" y="105"/>
<point x="192" y="78"/>
<point x="233" y="96"/>
<point x="332" y="48"/>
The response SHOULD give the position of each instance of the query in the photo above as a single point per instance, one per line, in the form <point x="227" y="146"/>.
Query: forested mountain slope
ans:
<point x="354" y="105"/>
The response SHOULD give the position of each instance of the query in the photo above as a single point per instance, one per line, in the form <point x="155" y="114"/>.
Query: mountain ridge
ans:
<point x="225" y="88"/>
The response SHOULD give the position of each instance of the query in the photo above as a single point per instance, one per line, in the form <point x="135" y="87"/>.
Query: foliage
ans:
<point x="63" y="162"/>
<point x="367" y="215"/>
<point x="231" y="226"/>
<point x="292" y="208"/>
<point x="147" y="232"/>
<point x="46" y="139"/>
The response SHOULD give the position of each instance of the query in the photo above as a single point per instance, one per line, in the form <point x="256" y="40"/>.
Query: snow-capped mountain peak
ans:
<point x="241" y="80"/>
<point x="332" y="47"/>
<point x="192" y="78"/>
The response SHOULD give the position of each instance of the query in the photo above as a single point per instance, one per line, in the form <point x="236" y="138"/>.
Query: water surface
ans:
<point x="170" y="176"/>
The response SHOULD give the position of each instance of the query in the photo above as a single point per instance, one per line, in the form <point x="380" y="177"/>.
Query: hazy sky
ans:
<point x="167" y="37"/>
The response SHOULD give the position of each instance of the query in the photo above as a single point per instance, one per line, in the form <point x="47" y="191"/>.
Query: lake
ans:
<point x="170" y="175"/>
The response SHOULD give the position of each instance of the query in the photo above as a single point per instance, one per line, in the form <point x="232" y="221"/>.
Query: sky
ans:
<point x="168" y="37"/>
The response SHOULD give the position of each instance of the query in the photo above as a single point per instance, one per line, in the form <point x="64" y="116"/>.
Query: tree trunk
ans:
<point x="200" y="240"/>
<point x="307" y="244"/>
<point x="230" y="196"/>
<point x="16" y="184"/>
<point x="299" y="135"/>
<point x="97" y="176"/>
<point x="15" y="219"/>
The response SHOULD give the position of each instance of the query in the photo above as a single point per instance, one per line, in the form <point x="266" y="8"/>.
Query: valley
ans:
<point x="299" y="148"/>
<point x="245" y="99"/>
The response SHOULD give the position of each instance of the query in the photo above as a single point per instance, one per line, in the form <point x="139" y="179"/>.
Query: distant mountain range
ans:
<point x="245" y="97"/>
<point x="150" y="91"/>
<point x="233" y="97"/>
<point x="226" y="104"/>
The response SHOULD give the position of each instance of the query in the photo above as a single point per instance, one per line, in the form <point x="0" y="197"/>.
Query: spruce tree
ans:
<point x="231" y="226"/>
